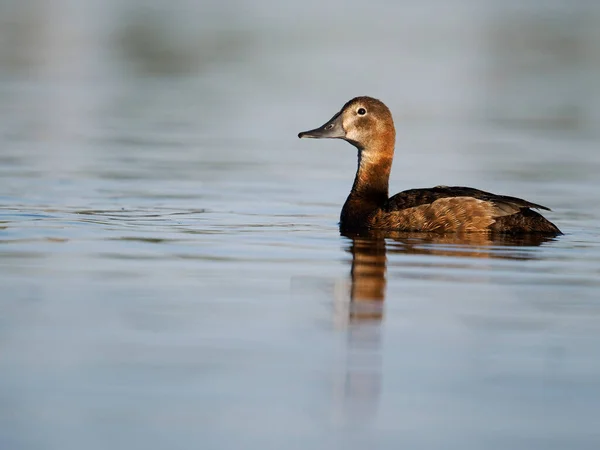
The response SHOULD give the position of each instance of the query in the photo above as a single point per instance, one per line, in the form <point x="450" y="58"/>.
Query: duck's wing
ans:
<point x="418" y="197"/>
<point x="458" y="208"/>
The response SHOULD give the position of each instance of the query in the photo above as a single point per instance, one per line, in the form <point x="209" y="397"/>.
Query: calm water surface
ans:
<point x="173" y="276"/>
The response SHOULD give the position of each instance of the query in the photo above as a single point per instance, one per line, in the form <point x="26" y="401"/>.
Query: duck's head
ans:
<point x="365" y="122"/>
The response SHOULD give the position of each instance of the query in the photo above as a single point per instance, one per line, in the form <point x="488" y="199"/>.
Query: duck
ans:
<point x="367" y="124"/>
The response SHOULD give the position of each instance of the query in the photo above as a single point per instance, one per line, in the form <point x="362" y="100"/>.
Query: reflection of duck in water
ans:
<point x="358" y="388"/>
<point x="367" y="274"/>
<point x="369" y="259"/>
<point x="367" y="124"/>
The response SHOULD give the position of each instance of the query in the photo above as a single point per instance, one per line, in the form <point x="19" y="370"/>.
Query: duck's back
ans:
<point x="457" y="208"/>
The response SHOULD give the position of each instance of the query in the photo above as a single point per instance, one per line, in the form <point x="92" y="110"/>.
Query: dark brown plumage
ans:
<point x="368" y="125"/>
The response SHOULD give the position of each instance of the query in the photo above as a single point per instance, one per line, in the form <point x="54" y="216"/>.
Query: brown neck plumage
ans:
<point x="374" y="166"/>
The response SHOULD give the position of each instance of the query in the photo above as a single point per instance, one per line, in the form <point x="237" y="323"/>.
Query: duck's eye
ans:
<point x="361" y="111"/>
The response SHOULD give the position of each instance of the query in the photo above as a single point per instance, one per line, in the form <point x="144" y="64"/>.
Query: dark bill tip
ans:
<point x="309" y="134"/>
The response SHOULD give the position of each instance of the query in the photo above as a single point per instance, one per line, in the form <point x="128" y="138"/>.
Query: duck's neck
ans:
<point x="370" y="189"/>
<point x="372" y="175"/>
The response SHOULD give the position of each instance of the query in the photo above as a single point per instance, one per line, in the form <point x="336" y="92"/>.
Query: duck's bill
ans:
<point x="332" y="129"/>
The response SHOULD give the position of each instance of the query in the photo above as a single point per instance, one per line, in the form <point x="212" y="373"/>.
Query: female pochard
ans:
<point x="367" y="124"/>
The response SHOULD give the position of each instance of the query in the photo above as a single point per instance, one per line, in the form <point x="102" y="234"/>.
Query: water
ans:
<point x="171" y="268"/>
